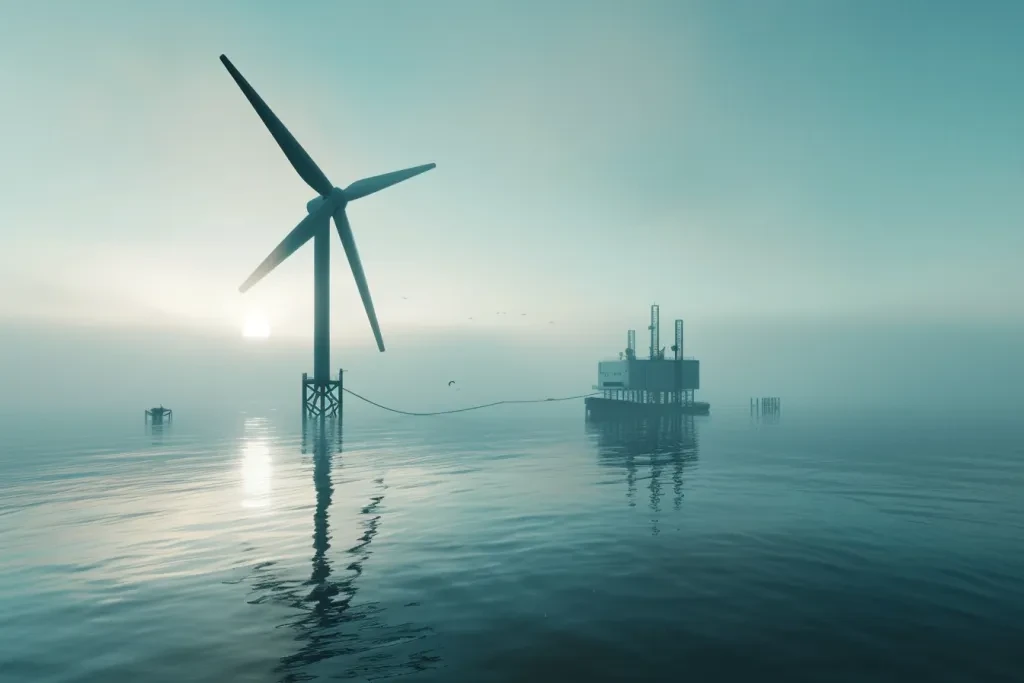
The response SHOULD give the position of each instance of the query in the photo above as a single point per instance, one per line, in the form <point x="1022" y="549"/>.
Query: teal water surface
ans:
<point x="516" y="544"/>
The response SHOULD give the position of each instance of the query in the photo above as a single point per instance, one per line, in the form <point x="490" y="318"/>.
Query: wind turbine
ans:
<point x="330" y="201"/>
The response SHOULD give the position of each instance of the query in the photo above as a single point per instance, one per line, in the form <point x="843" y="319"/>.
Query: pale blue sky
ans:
<point x="726" y="159"/>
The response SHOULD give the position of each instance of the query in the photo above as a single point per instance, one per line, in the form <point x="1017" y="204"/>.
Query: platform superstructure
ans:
<point x="656" y="385"/>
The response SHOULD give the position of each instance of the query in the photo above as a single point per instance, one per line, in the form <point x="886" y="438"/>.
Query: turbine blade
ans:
<point x="348" y="241"/>
<point x="299" y="235"/>
<point x="361" y="188"/>
<point x="301" y="161"/>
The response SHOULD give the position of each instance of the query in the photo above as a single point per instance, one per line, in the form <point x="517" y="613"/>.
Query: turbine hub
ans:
<point x="338" y="196"/>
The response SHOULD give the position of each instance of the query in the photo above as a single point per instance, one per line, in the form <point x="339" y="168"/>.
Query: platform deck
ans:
<point x="601" y="408"/>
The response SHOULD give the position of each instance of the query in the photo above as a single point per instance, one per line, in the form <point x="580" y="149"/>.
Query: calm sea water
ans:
<point x="512" y="544"/>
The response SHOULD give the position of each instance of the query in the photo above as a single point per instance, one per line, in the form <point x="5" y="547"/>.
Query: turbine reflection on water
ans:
<point x="656" y="443"/>
<point x="337" y="636"/>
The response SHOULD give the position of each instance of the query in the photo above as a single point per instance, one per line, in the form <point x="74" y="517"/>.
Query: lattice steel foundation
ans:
<point x="321" y="399"/>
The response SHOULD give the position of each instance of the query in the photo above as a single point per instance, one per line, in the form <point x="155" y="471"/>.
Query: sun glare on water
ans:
<point x="256" y="327"/>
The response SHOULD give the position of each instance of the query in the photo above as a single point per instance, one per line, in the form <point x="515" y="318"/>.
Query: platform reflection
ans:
<point x="658" y="450"/>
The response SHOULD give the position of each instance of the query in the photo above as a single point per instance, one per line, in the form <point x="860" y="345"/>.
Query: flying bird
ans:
<point x="451" y="382"/>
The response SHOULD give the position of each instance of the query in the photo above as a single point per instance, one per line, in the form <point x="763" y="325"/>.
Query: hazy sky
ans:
<point x="811" y="158"/>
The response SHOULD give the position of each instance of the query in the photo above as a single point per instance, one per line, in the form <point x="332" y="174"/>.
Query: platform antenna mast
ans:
<point x="679" y="340"/>
<point x="654" y="332"/>
<point x="631" y="344"/>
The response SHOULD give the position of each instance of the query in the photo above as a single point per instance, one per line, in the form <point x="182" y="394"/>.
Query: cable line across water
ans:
<point x="463" y="410"/>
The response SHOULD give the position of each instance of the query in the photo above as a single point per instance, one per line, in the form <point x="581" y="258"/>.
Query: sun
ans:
<point x="256" y="326"/>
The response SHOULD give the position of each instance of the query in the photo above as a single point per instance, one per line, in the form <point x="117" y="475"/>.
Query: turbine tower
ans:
<point x="322" y="395"/>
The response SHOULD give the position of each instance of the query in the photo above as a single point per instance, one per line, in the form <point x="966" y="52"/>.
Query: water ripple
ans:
<point x="485" y="549"/>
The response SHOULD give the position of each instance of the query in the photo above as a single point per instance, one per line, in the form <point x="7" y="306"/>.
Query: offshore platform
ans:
<point x="647" y="387"/>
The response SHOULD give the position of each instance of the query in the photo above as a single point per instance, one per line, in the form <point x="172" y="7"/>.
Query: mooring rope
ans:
<point x="463" y="410"/>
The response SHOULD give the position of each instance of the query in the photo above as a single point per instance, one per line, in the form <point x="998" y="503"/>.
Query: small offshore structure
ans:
<point x="649" y="387"/>
<point x="156" y="415"/>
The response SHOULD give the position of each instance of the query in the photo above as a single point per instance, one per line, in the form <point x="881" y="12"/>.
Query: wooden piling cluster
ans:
<point x="768" y="405"/>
